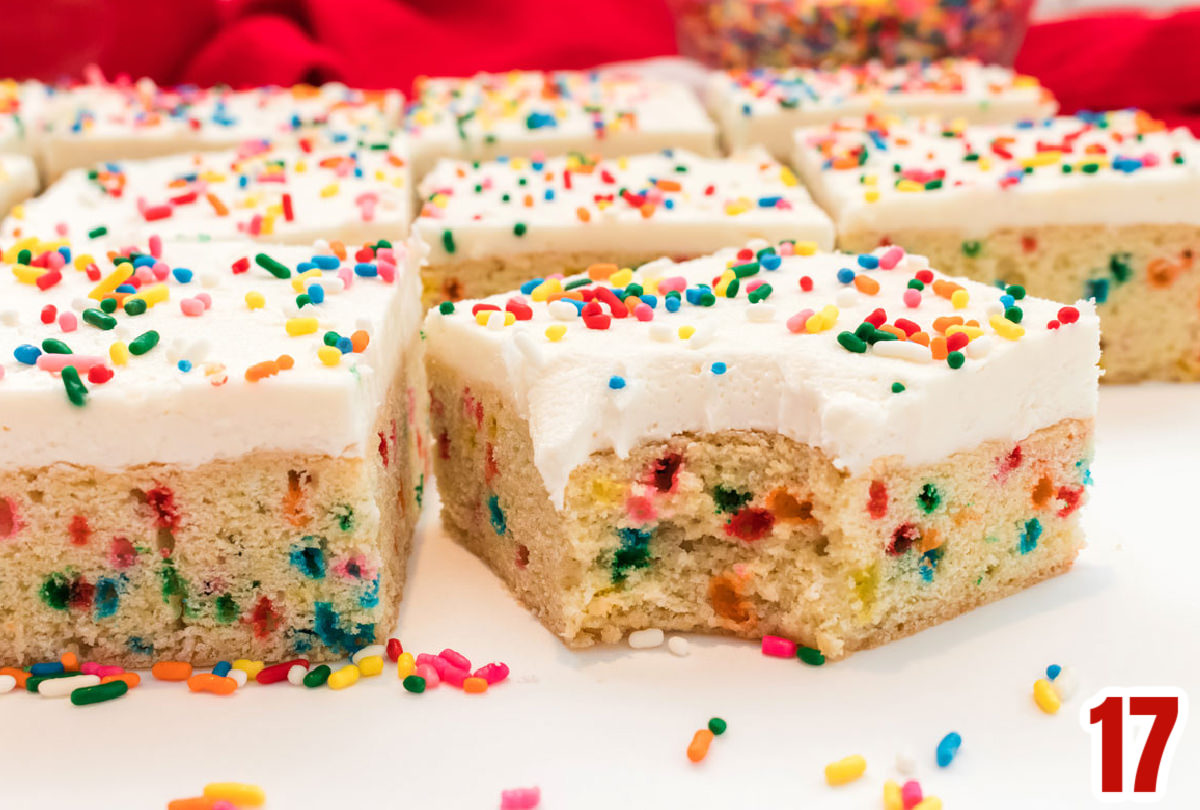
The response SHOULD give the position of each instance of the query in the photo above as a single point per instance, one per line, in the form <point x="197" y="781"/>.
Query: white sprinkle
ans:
<point x="528" y="346"/>
<point x="209" y="281"/>
<point x="701" y="337"/>
<point x="1066" y="683"/>
<point x="61" y="687"/>
<point x="906" y="762"/>
<point x="994" y="308"/>
<point x="646" y="639"/>
<point x="562" y="311"/>
<point x="661" y="332"/>
<point x="761" y="312"/>
<point x="847" y="297"/>
<point x="80" y="304"/>
<point x="7" y="683"/>
<point x="980" y="346"/>
<point x="239" y="676"/>
<point x="902" y="350"/>
<point x="495" y="320"/>
<point x="332" y="285"/>
<point x="296" y="673"/>
<point x="8" y="317"/>
<point x="367" y="652"/>
<point x="678" y="645"/>
<point x="913" y="262"/>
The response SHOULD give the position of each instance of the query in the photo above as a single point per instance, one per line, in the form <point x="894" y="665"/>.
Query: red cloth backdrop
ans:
<point x="1110" y="60"/>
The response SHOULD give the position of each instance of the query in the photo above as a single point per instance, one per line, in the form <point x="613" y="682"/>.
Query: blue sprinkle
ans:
<point x="316" y="293"/>
<point x="46" y="668"/>
<point x="947" y="749"/>
<point x="673" y="305"/>
<point x="575" y="303"/>
<point x="538" y="165"/>
<point x="222" y="668"/>
<point x="845" y="275"/>
<point x="27" y="354"/>
<point x="144" y="260"/>
<point x="344" y="345"/>
<point x="304" y="267"/>
<point x="650" y="301"/>
<point x="718" y="368"/>
<point x="1052" y="671"/>
<point x="1007" y="300"/>
<point x="66" y="253"/>
<point x="549" y="195"/>
<point x="182" y="275"/>
<point x="616" y="383"/>
<point x="326" y="262"/>
<point x="868" y="261"/>
<point x="185" y="366"/>
<point x="769" y="202"/>
<point x="1030" y="535"/>
<point x="669" y="204"/>
<point x="496" y="516"/>
<point x="529" y="286"/>
<point x="365" y="269"/>
<point x="126" y="288"/>
<point x="693" y="296"/>
<point x="770" y="261"/>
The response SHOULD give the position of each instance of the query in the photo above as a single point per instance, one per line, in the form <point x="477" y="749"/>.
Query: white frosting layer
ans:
<point x="763" y="106"/>
<point x="1118" y="168"/>
<point x="154" y="411"/>
<point x="673" y="203"/>
<point x="349" y="192"/>
<point x="806" y="386"/>
<point x="18" y="180"/>
<point x="22" y="108"/>
<point x="100" y="121"/>
<point x="610" y="113"/>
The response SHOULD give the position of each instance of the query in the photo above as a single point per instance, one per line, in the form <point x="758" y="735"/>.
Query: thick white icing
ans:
<point x="526" y="112"/>
<point x="151" y="411"/>
<point x="18" y="180"/>
<point x="520" y="206"/>
<point x="763" y="106"/>
<point x="349" y="192"/>
<point x="1123" y="169"/>
<point x="804" y="386"/>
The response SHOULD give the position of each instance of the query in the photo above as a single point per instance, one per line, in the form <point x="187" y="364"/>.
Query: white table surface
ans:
<point x="608" y="728"/>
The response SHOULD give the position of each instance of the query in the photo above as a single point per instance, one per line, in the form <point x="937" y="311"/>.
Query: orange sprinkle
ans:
<point x="866" y="284"/>
<point x="208" y="682"/>
<point x="70" y="662"/>
<point x="20" y="675"/>
<point x="945" y="322"/>
<point x="218" y="207"/>
<point x="944" y="288"/>
<point x="192" y="803"/>
<point x="528" y="201"/>
<point x="359" y="340"/>
<point x="698" y="749"/>
<point x="260" y="371"/>
<point x="668" y="185"/>
<point x="930" y="539"/>
<point x="891" y="330"/>
<point x="475" y="686"/>
<point x="130" y="679"/>
<point x="601" y="272"/>
<point x="647" y="210"/>
<point x="338" y="248"/>
<point x="937" y="347"/>
<point x="583" y="214"/>
<point x="285" y="362"/>
<point x="171" y="670"/>
<point x="920" y="337"/>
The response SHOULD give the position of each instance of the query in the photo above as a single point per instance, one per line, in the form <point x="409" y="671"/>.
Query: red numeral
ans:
<point x="1106" y="714"/>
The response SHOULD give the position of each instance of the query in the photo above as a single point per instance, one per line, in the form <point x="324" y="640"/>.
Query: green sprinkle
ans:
<point x="24" y="256"/>
<point x="852" y="342"/>
<point x="448" y="241"/>
<point x="897" y="387"/>
<point x="916" y="284"/>
<point x="271" y="266"/>
<point x="76" y="390"/>
<point x="707" y="299"/>
<point x="302" y="299"/>
<point x="55" y="346"/>
<point x="576" y="284"/>
<point x="414" y="684"/>
<point x="143" y="342"/>
<point x="108" y="305"/>
<point x="811" y="656"/>
<point x="87" y="695"/>
<point x="971" y="248"/>
<point x="717" y="726"/>
<point x="446" y="307"/>
<point x="135" y="306"/>
<point x="97" y="232"/>
<point x="955" y="360"/>
<point x="760" y="293"/>
<point x="520" y="228"/>
<point x="31" y="684"/>
<point x="317" y="677"/>
<point x="98" y="319"/>
<point x="1016" y="291"/>
<point x="1014" y="314"/>
<point x="745" y="270"/>
<point x="331" y="338"/>
<point x="731" y="289"/>
<point x="929" y="498"/>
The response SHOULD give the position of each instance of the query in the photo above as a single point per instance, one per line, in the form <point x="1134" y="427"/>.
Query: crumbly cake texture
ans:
<point x="104" y="121"/>
<point x="18" y="180"/>
<point x="293" y="192"/>
<point x="1101" y="206"/>
<point x="491" y="226"/>
<point x="531" y="114"/>
<point x="764" y="106"/>
<point x="265" y="503"/>
<point x="744" y="443"/>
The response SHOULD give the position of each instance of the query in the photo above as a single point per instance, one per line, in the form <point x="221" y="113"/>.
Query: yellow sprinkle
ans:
<point x="909" y="185"/>
<point x="510" y="318"/>
<point x="236" y="793"/>
<point x="251" y="668"/>
<point x="555" y="332"/>
<point x="154" y="294"/>
<point x="110" y="282"/>
<point x="805" y="248"/>
<point x="960" y="298"/>
<point x="985" y="163"/>
<point x="268" y="225"/>
<point x="301" y="326"/>
<point x="329" y="190"/>
<point x="329" y="355"/>
<point x="82" y="261"/>
<point x="871" y="195"/>
<point x="481" y="317"/>
<point x="787" y="176"/>
<point x="371" y="666"/>
<point x="1046" y="696"/>
<point x="621" y="278"/>
<point x="405" y="665"/>
<point x="823" y="320"/>
<point x="300" y="282"/>
<point x="650" y="285"/>
<point x="928" y="803"/>
<point x="255" y="300"/>
<point x="1047" y="158"/>
<point x="546" y="289"/>
<point x="1006" y="328"/>
<point x="345" y="677"/>
<point x="845" y="771"/>
<point x="18" y="211"/>
<point x="686" y="332"/>
<point x="870" y="180"/>
<point x="26" y="274"/>
<point x="736" y="207"/>
<point x="892" y="798"/>
<point x="118" y="354"/>
<point x="970" y="331"/>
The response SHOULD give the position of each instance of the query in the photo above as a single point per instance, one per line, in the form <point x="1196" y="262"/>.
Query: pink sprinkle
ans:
<point x="145" y="275"/>
<point x="192" y="307"/>
<point x="155" y="245"/>
<point x="89" y="668"/>
<point x="912" y="298"/>
<point x="425" y="659"/>
<point x="55" y="260"/>
<point x="778" y="647"/>
<point x="347" y="277"/>
<point x="387" y="271"/>
<point x="796" y="323"/>
<point x="754" y="285"/>
<point x="786" y="249"/>
<point x="520" y="798"/>
<point x="68" y="322"/>
<point x="456" y="659"/>
<point x="160" y="270"/>
<point x="61" y="229"/>
<point x="672" y="284"/>
<point x="204" y="298"/>
<point x="643" y="312"/>
<point x="1" y="372"/>
<point x="386" y="254"/>
<point x="891" y="257"/>
<point x="452" y="674"/>
<point x="493" y="673"/>
<point x="57" y="362"/>
<point x="910" y="794"/>
<point x="111" y="669"/>
<point x="430" y="675"/>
